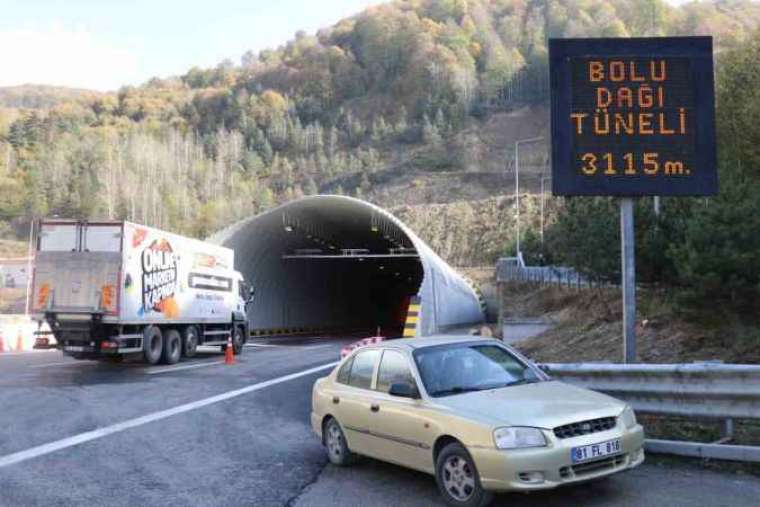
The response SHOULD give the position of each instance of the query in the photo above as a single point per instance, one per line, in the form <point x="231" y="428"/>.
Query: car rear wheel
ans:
<point x="153" y="345"/>
<point x="458" y="479"/>
<point x="172" y="347"/>
<point x="335" y="442"/>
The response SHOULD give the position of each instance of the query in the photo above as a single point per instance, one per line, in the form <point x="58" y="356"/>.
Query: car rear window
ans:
<point x="362" y="368"/>
<point x="394" y="369"/>
<point x="345" y="372"/>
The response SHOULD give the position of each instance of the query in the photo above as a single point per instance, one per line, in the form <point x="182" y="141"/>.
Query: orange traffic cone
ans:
<point x="19" y="341"/>
<point x="229" y="356"/>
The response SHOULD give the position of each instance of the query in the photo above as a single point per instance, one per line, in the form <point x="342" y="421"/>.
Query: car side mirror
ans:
<point x="251" y="292"/>
<point x="404" y="390"/>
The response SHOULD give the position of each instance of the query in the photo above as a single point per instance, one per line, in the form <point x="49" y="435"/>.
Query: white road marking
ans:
<point x="299" y="347"/>
<point x="170" y="369"/>
<point x="41" y="450"/>
<point x="26" y="352"/>
<point x="62" y="363"/>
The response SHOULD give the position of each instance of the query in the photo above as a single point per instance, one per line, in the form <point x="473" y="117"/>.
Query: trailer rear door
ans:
<point x="77" y="268"/>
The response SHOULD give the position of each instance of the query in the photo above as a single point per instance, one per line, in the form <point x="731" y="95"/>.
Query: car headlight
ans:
<point x="628" y="417"/>
<point x="518" y="437"/>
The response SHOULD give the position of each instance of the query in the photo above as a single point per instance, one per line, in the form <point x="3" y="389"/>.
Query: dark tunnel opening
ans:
<point x="337" y="267"/>
<point x="370" y="293"/>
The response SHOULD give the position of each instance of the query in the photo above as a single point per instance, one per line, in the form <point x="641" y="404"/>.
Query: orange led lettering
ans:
<point x="634" y="76"/>
<point x="663" y="127"/>
<point x="578" y="117"/>
<point x="657" y="70"/>
<point x="603" y="97"/>
<point x="624" y="123"/>
<point x="595" y="71"/>
<point x="625" y="97"/>
<point x="645" y="123"/>
<point x="617" y="71"/>
<point x="646" y="99"/>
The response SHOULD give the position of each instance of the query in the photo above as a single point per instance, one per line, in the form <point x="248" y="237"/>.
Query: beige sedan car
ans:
<point x="474" y="413"/>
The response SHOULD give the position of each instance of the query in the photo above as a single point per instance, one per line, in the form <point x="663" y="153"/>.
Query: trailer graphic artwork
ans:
<point x="159" y="278"/>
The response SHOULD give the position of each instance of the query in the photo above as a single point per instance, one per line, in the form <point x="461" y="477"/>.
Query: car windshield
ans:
<point x="464" y="367"/>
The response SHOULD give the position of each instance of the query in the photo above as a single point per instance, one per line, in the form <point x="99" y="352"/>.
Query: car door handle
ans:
<point x="375" y="407"/>
<point x="336" y="400"/>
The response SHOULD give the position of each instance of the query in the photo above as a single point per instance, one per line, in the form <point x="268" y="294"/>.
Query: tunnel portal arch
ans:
<point x="336" y="262"/>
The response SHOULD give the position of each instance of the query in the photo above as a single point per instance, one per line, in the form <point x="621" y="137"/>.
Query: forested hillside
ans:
<point x="408" y="103"/>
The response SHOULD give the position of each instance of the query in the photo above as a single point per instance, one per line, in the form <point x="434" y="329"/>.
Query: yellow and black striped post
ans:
<point x="412" y="317"/>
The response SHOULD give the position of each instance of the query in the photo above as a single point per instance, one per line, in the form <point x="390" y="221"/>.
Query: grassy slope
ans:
<point x="466" y="212"/>
<point x="10" y="248"/>
<point x="589" y="328"/>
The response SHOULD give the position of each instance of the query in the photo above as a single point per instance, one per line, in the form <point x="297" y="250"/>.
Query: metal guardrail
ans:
<point x="702" y="390"/>
<point x="508" y="270"/>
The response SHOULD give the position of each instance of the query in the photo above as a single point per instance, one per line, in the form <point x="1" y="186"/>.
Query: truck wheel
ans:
<point x="190" y="341"/>
<point x="153" y="344"/>
<point x="172" y="347"/>
<point x="237" y="341"/>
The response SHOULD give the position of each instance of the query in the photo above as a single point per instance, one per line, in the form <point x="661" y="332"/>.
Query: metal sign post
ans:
<point x="627" y="250"/>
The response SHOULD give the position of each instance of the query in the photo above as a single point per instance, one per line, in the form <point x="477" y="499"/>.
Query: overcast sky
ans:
<point x="103" y="44"/>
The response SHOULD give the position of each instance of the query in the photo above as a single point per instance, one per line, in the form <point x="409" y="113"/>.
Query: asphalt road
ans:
<point x="203" y="433"/>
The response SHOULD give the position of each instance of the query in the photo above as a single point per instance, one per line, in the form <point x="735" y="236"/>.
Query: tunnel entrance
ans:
<point x="335" y="263"/>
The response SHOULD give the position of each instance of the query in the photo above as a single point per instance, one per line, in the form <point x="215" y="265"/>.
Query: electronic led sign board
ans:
<point x="633" y="117"/>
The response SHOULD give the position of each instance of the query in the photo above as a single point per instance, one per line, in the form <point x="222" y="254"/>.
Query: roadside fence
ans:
<point x="508" y="271"/>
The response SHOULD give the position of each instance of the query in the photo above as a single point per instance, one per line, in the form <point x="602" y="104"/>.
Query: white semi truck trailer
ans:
<point x="114" y="288"/>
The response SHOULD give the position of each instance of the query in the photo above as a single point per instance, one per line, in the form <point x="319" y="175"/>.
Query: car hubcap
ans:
<point x="334" y="441"/>
<point x="458" y="478"/>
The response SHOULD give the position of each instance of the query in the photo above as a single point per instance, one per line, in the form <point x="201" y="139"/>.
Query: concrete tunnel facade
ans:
<point x="332" y="262"/>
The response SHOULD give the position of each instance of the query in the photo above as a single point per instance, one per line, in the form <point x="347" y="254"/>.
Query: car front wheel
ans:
<point x="458" y="479"/>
